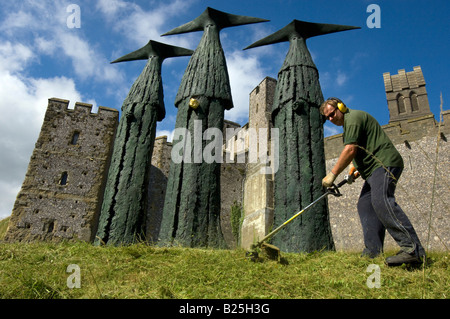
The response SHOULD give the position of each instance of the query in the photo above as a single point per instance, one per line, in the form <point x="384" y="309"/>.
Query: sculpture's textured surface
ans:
<point x="191" y="214"/>
<point x="125" y="198"/>
<point x="295" y="113"/>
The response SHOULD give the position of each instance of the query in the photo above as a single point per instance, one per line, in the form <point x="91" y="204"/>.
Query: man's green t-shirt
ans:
<point x="375" y="148"/>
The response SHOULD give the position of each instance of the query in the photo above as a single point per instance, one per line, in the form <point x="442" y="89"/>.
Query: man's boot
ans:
<point x="403" y="258"/>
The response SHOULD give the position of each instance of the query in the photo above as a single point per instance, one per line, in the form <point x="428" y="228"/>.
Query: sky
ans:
<point x="63" y="49"/>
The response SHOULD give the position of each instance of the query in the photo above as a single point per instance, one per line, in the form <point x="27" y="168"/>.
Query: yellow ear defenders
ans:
<point x="341" y="106"/>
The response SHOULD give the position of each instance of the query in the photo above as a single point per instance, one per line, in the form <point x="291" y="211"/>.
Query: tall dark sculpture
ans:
<point x="295" y="112"/>
<point x="191" y="215"/>
<point x="125" y="199"/>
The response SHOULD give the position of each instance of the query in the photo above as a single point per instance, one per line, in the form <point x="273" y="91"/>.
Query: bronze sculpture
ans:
<point x="191" y="215"/>
<point x="125" y="198"/>
<point x="295" y="112"/>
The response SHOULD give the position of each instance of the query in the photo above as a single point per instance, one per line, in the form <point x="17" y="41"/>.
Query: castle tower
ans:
<point x="258" y="187"/>
<point x="406" y="95"/>
<point x="61" y="195"/>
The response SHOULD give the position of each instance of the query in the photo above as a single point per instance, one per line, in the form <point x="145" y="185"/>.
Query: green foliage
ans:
<point x="236" y="219"/>
<point x="39" y="271"/>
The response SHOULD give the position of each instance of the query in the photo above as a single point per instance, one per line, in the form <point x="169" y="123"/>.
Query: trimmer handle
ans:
<point x="334" y="190"/>
<point x="348" y="179"/>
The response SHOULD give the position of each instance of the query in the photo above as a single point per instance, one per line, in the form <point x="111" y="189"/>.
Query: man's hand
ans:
<point x="328" y="180"/>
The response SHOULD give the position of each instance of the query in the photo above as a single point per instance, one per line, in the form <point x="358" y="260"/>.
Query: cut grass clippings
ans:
<point x="39" y="271"/>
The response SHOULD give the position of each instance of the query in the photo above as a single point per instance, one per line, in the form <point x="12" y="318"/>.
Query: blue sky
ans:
<point x="42" y="57"/>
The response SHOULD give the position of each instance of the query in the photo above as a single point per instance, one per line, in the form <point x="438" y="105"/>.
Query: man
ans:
<point x="370" y="151"/>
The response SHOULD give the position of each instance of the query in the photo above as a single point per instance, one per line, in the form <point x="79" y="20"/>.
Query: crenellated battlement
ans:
<point x="80" y="108"/>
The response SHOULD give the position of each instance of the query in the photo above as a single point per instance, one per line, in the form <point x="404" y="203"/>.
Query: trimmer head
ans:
<point x="265" y="250"/>
<point x="271" y="252"/>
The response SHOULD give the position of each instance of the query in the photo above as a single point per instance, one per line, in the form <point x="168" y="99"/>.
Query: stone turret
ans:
<point x="62" y="192"/>
<point x="406" y="95"/>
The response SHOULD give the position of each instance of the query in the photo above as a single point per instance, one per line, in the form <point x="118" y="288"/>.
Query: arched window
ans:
<point x="401" y="104"/>
<point x="414" y="101"/>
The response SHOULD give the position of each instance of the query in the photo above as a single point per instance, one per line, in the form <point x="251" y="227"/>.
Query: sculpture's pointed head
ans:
<point x="155" y="49"/>
<point x="218" y="18"/>
<point x="301" y="29"/>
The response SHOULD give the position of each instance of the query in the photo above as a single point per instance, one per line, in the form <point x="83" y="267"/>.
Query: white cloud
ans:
<point x="245" y="73"/>
<point x="86" y="62"/>
<point x="111" y="7"/>
<point x="17" y="20"/>
<point x="140" y="25"/>
<point x="15" y="56"/>
<point x="54" y="37"/>
<point x="341" y="78"/>
<point x="331" y="129"/>
<point x="33" y="16"/>
<point x="44" y="46"/>
<point x="333" y="80"/>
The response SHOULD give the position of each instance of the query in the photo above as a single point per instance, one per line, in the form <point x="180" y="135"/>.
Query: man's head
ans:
<point x="334" y="109"/>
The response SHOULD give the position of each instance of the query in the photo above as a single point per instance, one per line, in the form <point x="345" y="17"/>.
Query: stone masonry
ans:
<point x="258" y="188"/>
<point x="62" y="192"/>
<point x="406" y="95"/>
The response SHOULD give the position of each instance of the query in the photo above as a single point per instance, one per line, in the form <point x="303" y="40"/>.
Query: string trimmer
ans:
<point x="273" y="252"/>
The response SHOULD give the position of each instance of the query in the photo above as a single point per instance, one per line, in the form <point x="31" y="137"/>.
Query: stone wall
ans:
<point x="258" y="188"/>
<point x="157" y="186"/>
<point x="232" y="187"/>
<point x="61" y="195"/>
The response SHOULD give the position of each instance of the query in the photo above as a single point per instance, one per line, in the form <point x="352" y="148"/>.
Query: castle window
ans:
<point x="48" y="226"/>
<point x="414" y="102"/>
<point x="401" y="104"/>
<point x="51" y="225"/>
<point x="75" y="137"/>
<point x="63" y="180"/>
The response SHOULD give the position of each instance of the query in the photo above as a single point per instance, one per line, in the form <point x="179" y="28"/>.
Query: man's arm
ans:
<point x="346" y="157"/>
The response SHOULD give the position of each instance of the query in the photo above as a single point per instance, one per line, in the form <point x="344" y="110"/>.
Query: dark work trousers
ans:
<point x="378" y="211"/>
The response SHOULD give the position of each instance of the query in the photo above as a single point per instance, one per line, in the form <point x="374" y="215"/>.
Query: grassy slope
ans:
<point x="140" y="271"/>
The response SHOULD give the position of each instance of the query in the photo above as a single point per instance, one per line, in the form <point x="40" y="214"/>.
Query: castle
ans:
<point x="61" y="196"/>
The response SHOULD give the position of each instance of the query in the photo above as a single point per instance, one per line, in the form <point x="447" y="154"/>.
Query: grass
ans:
<point x="3" y="226"/>
<point x="39" y="271"/>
